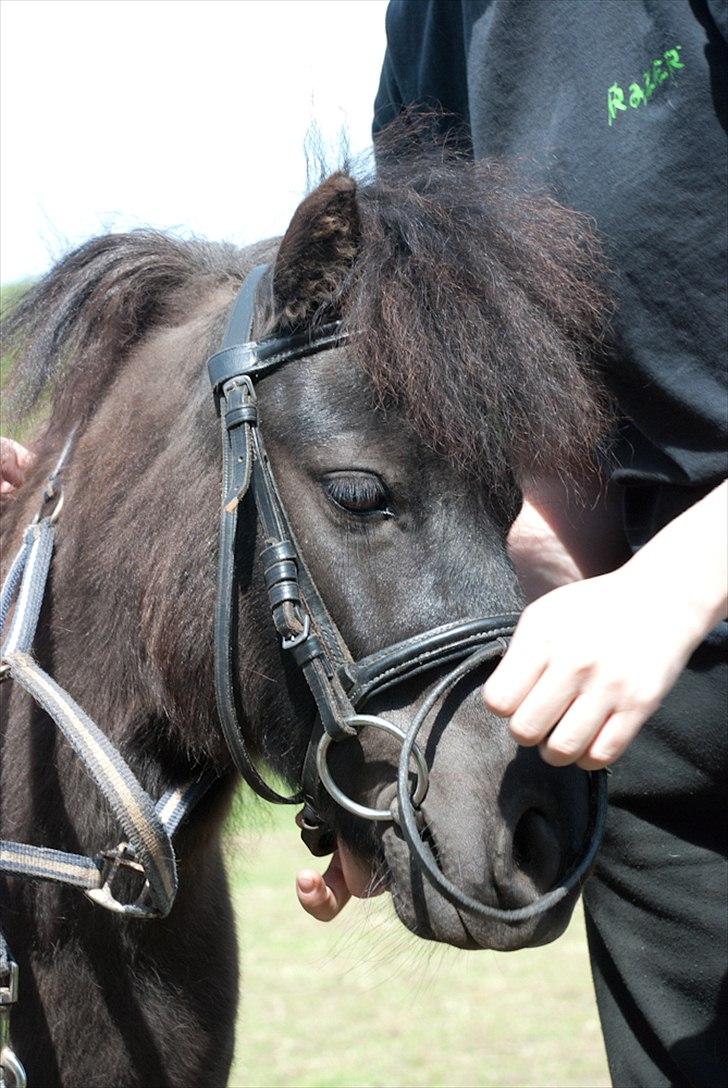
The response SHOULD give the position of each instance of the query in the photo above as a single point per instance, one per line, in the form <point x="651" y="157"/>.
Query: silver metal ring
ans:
<point x="59" y="497"/>
<point x="10" y="1064"/>
<point x="358" y="721"/>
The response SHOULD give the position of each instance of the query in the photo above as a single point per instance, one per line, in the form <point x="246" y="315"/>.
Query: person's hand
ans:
<point x="588" y="664"/>
<point x="323" y="897"/>
<point x="591" y="661"/>
<point x="15" y="461"/>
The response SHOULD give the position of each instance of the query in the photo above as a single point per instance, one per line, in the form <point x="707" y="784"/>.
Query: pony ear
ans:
<point x="316" y="253"/>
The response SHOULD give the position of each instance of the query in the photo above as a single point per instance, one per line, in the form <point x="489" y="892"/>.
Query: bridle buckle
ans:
<point x="9" y="985"/>
<point x="289" y="642"/>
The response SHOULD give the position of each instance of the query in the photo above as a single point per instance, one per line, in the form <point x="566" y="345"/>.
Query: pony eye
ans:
<point x="357" y="493"/>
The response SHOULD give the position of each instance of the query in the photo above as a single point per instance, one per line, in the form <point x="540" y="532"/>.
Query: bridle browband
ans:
<point x="340" y="685"/>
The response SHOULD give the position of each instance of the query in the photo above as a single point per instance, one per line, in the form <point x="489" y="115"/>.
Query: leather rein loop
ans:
<point x="420" y="847"/>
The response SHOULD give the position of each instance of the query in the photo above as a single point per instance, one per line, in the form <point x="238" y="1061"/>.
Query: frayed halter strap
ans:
<point x="146" y="849"/>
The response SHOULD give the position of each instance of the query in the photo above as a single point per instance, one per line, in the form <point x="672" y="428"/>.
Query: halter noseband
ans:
<point x="340" y="685"/>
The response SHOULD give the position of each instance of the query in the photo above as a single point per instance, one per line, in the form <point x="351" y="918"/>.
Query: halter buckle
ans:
<point x="51" y="492"/>
<point x="12" y="1073"/>
<point x="9" y="985"/>
<point x="121" y="857"/>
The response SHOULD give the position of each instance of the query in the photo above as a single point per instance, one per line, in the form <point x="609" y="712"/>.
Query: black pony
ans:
<point x="475" y="319"/>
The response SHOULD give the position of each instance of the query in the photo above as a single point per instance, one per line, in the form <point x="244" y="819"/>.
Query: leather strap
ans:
<point x="238" y="413"/>
<point x="429" y="650"/>
<point x="421" y="850"/>
<point x="240" y="322"/>
<point x="257" y="359"/>
<point x="232" y="371"/>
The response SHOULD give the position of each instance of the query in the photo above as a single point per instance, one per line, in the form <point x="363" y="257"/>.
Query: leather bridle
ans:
<point x="340" y="685"/>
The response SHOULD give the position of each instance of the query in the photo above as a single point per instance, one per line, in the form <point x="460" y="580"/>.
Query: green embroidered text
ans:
<point x="638" y="93"/>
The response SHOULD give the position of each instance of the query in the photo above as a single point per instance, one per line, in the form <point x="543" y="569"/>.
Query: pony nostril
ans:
<point x="537" y="849"/>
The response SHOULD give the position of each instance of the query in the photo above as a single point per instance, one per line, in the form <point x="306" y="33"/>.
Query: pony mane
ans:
<point x="477" y="302"/>
<point x="70" y="332"/>
<point x="481" y="306"/>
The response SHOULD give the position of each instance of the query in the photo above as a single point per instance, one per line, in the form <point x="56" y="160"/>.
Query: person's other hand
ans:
<point x="15" y="461"/>
<point x="588" y="664"/>
<point x="323" y="897"/>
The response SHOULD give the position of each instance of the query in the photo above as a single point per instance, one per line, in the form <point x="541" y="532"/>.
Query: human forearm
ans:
<point x="690" y="557"/>
<point x="566" y="533"/>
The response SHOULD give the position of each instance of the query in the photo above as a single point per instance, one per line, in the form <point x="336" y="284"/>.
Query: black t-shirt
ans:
<point x="620" y="107"/>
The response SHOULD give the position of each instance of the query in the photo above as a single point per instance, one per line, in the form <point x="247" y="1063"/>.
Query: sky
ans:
<point x="185" y="115"/>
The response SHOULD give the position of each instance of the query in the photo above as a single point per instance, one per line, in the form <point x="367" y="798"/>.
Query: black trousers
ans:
<point x="657" y="903"/>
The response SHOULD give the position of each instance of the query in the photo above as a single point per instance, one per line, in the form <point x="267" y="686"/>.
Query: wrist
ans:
<point x="693" y="593"/>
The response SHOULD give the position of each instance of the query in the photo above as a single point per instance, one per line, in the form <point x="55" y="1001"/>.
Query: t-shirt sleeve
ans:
<point x="424" y="65"/>
<point x="389" y="101"/>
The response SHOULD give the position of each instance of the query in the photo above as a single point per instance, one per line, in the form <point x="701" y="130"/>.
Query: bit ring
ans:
<point x="358" y="721"/>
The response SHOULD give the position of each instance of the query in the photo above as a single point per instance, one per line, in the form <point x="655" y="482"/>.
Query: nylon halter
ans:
<point x="340" y="685"/>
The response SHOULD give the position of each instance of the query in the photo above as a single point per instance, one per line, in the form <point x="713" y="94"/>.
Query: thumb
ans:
<point x="323" y="897"/>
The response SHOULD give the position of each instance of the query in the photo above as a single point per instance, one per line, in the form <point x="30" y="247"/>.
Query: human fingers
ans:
<point x="11" y="475"/>
<point x="14" y="463"/>
<point x="544" y="705"/>
<point x="323" y="897"/>
<point x="523" y="664"/>
<point x="617" y="733"/>
<point x="577" y="729"/>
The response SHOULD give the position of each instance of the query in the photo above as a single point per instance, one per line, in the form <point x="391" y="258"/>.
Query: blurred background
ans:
<point x="192" y="117"/>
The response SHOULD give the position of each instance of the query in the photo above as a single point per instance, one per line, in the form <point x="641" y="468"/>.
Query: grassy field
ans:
<point x="362" y="1003"/>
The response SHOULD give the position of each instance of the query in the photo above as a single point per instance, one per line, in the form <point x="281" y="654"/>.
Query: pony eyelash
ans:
<point x="361" y="495"/>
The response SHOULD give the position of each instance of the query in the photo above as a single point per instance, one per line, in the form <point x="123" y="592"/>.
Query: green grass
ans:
<point x="360" y="1002"/>
<point x="9" y="295"/>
